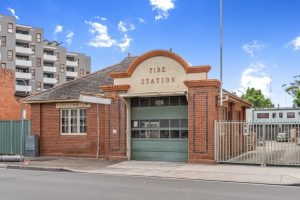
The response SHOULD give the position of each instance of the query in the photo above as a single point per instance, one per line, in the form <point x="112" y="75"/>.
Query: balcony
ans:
<point x="22" y="75"/>
<point x="26" y="63"/>
<point x="23" y="88"/>
<point x="71" y="74"/>
<point x="20" y="36"/>
<point x="71" y="63"/>
<point x="50" y="80"/>
<point x="49" y="57"/>
<point x="24" y="50"/>
<point x="49" y="69"/>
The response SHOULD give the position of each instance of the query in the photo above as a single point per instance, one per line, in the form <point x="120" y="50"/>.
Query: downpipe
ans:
<point x="11" y="158"/>
<point x="128" y="143"/>
<point x="98" y="133"/>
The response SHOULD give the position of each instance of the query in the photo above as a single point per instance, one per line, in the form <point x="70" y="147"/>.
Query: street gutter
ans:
<point x="158" y="175"/>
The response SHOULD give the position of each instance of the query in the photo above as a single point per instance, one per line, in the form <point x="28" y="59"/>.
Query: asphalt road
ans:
<point x="40" y="185"/>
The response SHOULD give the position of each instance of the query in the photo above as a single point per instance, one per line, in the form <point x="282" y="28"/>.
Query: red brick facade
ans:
<point x="46" y="124"/>
<point x="203" y="109"/>
<point x="112" y="131"/>
<point x="10" y="107"/>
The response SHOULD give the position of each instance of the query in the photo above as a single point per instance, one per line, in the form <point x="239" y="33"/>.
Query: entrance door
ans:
<point x="159" y="128"/>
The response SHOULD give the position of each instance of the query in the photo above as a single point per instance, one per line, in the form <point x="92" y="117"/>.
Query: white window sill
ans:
<point x="73" y="134"/>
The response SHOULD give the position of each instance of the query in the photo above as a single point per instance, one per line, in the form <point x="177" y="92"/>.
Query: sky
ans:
<point x="261" y="38"/>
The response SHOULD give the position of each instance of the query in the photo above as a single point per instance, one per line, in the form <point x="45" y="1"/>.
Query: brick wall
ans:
<point x="115" y="133"/>
<point x="36" y="119"/>
<point x="10" y="107"/>
<point x="112" y="131"/>
<point x="202" y="111"/>
<point x="232" y="111"/>
<point x="46" y="124"/>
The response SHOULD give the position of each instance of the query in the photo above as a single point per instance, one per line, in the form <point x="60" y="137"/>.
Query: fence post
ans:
<point x="23" y="113"/>
<point x="11" y="137"/>
<point x="264" y="156"/>
<point x="216" y="140"/>
<point x="21" y="136"/>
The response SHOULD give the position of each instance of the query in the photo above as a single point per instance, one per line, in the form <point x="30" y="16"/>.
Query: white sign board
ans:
<point x="93" y="99"/>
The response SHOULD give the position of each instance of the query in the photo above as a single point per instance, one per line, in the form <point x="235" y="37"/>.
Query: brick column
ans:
<point x="202" y="111"/>
<point x="36" y="119"/>
<point x="115" y="131"/>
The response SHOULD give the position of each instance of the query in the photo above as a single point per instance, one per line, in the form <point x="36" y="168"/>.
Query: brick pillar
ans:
<point x="202" y="112"/>
<point x="36" y="119"/>
<point x="115" y="131"/>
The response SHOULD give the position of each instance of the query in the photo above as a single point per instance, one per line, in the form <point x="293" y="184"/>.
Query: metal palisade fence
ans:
<point x="263" y="143"/>
<point x="12" y="136"/>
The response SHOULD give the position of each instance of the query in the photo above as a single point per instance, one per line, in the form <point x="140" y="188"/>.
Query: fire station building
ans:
<point x="150" y="107"/>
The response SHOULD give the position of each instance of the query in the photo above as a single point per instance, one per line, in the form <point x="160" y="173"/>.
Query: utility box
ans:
<point x="32" y="146"/>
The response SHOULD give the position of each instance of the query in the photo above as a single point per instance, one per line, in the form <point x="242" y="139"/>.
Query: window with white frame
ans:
<point x="10" y="27"/>
<point x="3" y="41"/>
<point x="38" y="37"/>
<point x="73" y="121"/>
<point x="10" y="55"/>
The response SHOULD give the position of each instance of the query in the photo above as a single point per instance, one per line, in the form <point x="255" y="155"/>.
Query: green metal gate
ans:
<point x="159" y="129"/>
<point x="12" y="136"/>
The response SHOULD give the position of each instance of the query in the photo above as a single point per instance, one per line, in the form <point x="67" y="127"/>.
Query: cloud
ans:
<point x="13" y="12"/>
<point x="141" y="20"/>
<point x="102" y="18"/>
<point x="131" y="27"/>
<point x="251" y="48"/>
<point x="162" y="7"/>
<point x="253" y="76"/>
<point x="123" y="27"/>
<point x="125" y="43"/>
<point x="69" y="37"/>
<point x="101" y="37"/>
<point x="58" y="28"/>
<point x="295" y="43"/>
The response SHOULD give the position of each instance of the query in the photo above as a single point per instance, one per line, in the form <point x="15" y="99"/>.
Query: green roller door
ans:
<point x="159" y="150"/>
<point x="159" y="129"/>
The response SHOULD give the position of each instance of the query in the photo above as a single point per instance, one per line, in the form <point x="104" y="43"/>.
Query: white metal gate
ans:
<point x="272" y="143"/>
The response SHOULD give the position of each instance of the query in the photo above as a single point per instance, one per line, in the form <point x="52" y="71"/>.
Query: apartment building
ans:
<point x="39" y="64"/>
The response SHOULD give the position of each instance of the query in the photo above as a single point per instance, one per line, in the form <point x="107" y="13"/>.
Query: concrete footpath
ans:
<point x="230" y="173"/>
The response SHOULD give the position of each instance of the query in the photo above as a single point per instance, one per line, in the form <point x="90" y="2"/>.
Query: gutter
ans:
<point x="48" y="101"/>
